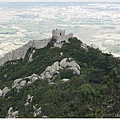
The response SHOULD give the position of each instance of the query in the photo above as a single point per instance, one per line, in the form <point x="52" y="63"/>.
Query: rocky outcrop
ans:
<point x="74" y="69"/>
<point x="49" y="73"/>
<point x="20" y="83"/>
<point x="31" y="55"/>
<point x="32" y="78"/>
<point x="29" y="100"/>
<point x="84" y="46"/>
<point x="65" y="80"/>
<point x="11" y="113"/>
<point x="1" y="93"/>
<point x="66" y="63"/>
<point x="73" y="64"/>
<point x="4" y="91"/>
<point x="37" y="111"/>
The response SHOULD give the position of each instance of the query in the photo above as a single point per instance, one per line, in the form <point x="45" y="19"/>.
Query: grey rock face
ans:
<point x="29" y="100"/>
<point x="33" y="77"/>
<point x="1" y="93"/>
<point x="84" y="46"/>
<point x="48" y="69"/>
<point x="22" y="83"/>
<point x="48" y="75"/>
<point x="64" y="63"/>
<point x="55" y="66"/>
<point x="19" y="83"/>
<point x="37" y="111"/>
<point x="11" y="113"/>
<point x="16" y="83"/>
<point x="31" y="55"/>
<point x="75" y="70"/>
<point x="5" y="90"/>
<point x="74" y="64"/>
<point x="15" y="114"/>
<point x="52" y="70"/>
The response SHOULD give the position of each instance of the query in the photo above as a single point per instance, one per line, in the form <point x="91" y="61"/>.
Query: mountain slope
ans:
<point x="93" y="93"/>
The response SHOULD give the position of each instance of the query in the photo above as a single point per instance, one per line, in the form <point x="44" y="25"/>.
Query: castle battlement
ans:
<point x="60" y="36"/>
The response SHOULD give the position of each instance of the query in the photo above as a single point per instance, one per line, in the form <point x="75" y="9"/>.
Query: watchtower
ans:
<point x="60" y="36"/>
<point x="56" y="33"/>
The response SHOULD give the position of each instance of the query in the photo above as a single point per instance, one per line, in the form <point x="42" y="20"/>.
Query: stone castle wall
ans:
<point x="58" y="33"/>
<point x="64" y="38"/>
<point x="20" y="52"/>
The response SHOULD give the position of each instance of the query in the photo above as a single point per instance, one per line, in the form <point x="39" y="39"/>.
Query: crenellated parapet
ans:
<point x="60" y="36"/>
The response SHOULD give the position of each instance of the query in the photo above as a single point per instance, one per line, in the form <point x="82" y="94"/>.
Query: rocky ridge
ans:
<point x="49" y="73"/>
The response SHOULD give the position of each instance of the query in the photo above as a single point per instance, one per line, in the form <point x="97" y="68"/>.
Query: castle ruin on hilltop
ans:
<point x="59" y="35"/>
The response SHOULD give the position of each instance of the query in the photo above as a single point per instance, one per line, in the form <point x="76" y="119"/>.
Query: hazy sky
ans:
<point x="59" y="0"/>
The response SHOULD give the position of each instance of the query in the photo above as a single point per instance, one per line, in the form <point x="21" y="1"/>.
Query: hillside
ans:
<point x="74" y="81"/>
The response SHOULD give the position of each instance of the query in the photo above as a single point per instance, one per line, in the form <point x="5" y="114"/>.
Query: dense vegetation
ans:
<point x="93" y="93"/>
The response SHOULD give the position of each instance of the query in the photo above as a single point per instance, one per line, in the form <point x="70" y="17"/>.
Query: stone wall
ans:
<point x="64" y="38"/>
<point x="20" y="52"/>
<point x="57" y="32"/>
<point x="60" y="35"/>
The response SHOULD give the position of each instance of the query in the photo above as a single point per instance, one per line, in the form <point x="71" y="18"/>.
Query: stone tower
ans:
<point x="56" y="33"/>
<point x="60" y="35"/>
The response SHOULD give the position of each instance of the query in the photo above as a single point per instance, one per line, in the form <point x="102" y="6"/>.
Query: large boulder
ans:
<point x="16" y="83"/>
<point x="22" y="83"/>
<point x="15" y="114"/>
<point x="29" y="99"/>
<point x="48" y="75"/>
<point x="75" y="70"/>
<point x="37" y="111"/>
<point x="73" y="64"/>
<point x="84" y="46"/>
<point x="48" y="69"/>
<point x="33" y="77"/>
<point x="17" y="80"/>
<point x="56" y="66"/>
<point x="5" y="90"/>
<point x="64" y="63"/>
<point x="53" y="69"/>
<point x="27" y="103"/>
<point x="42" y="76"/>
<point x="1" y="93"/>
<point x="11" y="113"/>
